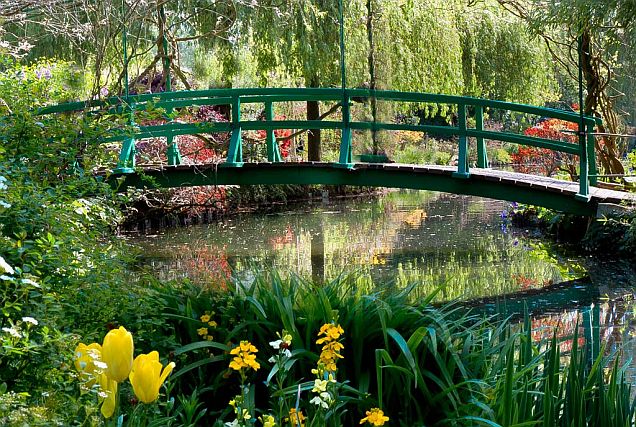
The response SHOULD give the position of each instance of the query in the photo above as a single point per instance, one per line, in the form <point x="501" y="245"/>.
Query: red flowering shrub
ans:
<point x="282" y="137"/>
<point x="542" y="160"/>
<point x="195" y="149"/>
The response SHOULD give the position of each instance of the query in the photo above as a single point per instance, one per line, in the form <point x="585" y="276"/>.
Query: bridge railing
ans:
<point x="268" y="97"/>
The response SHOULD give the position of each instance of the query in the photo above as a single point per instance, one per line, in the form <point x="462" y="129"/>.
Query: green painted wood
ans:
<point x="346" y="150"/>
<point x="269" y="96"/>
<point x="591" y="155"/>
<point x="335" y="174"/>
<point x="482" y="155"/>
<point x="462" y="160"/>
<point x="235" y="152"/>
<point x="273" y="152"/>
<point x="584" y="182"/>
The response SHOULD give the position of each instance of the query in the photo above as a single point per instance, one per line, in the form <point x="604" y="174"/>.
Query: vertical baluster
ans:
<point x="345" y="143"/>
<point x="273" y="152"/>
<point x="584" y="182"/>
<point x="235" y="152"/>
<point x="591" y="154"/>
<point x="126" y="161"/>
<point x="482" y="155"/>
<point x="462" y="161"/>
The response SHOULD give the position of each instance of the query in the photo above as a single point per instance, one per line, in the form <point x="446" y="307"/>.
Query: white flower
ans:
<point x="12" y="331"/>
<point x="5" y="204"/>
<point x="319" y="402"/>
<point x="6" y="267"/>
<point x="287" y="353"/>
<point x="232" y="424"/>
<point x="30" y="282"/>
<point x="3" y="186"/>
<point x="272" y="359"/>
<point x="30" y="320"/>
<point x="276" y="344"/>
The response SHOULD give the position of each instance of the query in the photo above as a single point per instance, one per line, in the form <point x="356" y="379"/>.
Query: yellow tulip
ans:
<point x="146" y="376"/>
<point x="117" y="353"/>
<point x="88" y="362"/>
<point x="108" y="392"/>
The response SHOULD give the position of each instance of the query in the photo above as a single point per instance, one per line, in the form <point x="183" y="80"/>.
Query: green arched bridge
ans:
<point x="575" y="197"/>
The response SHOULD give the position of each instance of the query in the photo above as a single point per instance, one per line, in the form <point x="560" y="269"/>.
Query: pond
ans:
<point x="463" y="244"/>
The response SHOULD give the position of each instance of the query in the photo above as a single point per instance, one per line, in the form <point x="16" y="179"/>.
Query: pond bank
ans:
<point x="157" y="209"/>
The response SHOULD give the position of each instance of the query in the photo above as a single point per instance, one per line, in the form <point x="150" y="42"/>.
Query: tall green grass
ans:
<point x="423" y="365"/>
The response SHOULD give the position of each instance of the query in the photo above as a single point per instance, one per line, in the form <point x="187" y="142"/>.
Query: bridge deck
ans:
<point x="503" y="185"/>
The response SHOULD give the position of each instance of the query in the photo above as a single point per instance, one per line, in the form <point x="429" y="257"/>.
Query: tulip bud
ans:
<point x="117" y="353"/>
<point x="146" y="376"/>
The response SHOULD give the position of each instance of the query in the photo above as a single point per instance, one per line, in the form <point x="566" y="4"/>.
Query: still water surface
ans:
<point x="432" y="239"/>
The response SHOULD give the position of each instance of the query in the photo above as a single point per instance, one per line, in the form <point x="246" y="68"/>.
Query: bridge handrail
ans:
<point x="235" y="97"/>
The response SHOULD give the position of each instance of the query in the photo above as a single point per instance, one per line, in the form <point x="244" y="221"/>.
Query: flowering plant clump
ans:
<point x="375" y="417"/>
<point x="296" y="418"/>
<point x="244" y="357"/>
<point x="331" y="349"/>
<point x="112" y="362"/>
<point x="204" y="331"/>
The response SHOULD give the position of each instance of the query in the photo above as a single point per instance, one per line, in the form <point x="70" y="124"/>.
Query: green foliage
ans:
<point x="419" y="363"/>
<point x="502" y="60"/>
<point x="55" y="224"/>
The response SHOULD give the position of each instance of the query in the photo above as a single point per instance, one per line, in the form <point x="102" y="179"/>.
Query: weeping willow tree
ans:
<point x="90" y="32"/>
<point x="502" y="59"/>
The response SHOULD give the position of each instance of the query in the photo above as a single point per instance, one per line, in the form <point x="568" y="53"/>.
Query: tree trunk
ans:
<point x="313" y="137"/>
<point x="597" y="103"/>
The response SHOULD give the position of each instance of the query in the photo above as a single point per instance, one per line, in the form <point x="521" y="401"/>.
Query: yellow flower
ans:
<point x="205" y="318"/>
<point x="117" y="353"/>
<point x="147" y="377"/>
<point x="108" y="392"/>
<point x="87" y="361"/>
<point x="331" y="348"/>
<point x="375" y="417"/>
<point x="296" y="418"/>
<point x="244" y="357"/>
<point x="268" y="421"/>
<point x="330" y="331"/>
<point x="212" y="324"/>
<point x="202" y="331"/>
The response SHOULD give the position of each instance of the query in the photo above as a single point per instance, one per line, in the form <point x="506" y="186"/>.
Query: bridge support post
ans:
<point x="235" y="152"/>
<point x="591" y="154"/>
<point x="126" y="161"/>
<point x="273" y="152"/>
<point x="462" y="161"/>
<point x="584" y="182"/>
<point x="346" y="158"/>
<point x="174" y="155"/>
<point x="482" y="155"/>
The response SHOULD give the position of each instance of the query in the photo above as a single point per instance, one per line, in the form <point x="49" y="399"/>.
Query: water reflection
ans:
<point x="427" y="238"/>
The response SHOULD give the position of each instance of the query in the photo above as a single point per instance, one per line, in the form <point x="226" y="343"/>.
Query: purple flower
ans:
<point x="103" y="92"/>
<point x="515" y="243"/>
<point x="514" y="205"/>
<point x="43" y="73"/>
<point x="504" y="214"/>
